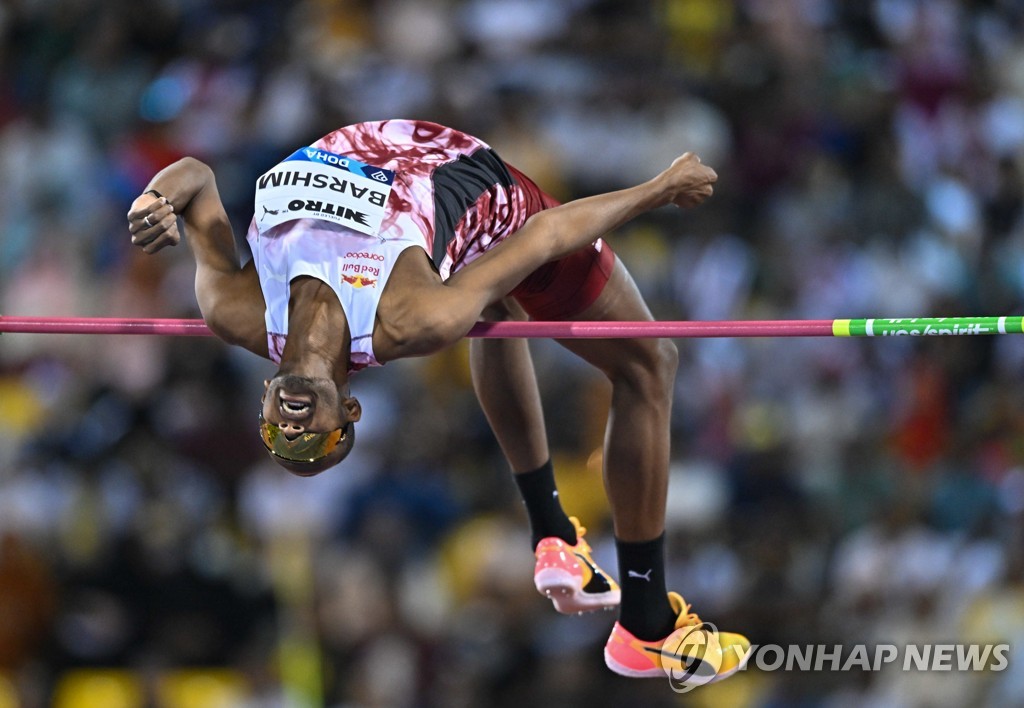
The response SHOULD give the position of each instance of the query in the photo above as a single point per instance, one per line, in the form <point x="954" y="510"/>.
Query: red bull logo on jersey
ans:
<point x="360" y="269"/>
<point x="359" y="281"/>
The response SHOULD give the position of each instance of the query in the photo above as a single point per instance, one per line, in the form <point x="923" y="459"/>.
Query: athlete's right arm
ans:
<point x="229" y="296"/>
<point x="552" y="234"/>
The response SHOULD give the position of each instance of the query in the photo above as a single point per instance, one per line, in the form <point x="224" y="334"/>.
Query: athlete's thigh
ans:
<point x="620" y="300"/>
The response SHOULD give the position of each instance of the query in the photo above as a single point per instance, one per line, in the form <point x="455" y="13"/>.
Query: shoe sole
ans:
<point x="739" y="667"/>
<point x="565" y="591"/>
<point x="623" y="670"/>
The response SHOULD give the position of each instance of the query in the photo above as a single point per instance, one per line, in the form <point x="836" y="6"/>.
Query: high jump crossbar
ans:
<point x="914" y="326"/>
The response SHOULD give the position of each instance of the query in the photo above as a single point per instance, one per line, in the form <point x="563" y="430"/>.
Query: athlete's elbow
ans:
<point x="543" y="230"/>
<point x="195" y="165"/>
<point x="218" y="320"/>
<point x="197" y="175"/>
<point x="218" y="313"/>
<point x="236" y="327"/>
<point x="439" y="331"/>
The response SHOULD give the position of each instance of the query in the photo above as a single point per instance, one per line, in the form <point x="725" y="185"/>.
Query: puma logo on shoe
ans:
<point x="644" y="576"/>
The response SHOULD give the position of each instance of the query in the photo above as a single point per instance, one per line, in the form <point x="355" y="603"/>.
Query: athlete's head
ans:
<point x="306" y="425"/>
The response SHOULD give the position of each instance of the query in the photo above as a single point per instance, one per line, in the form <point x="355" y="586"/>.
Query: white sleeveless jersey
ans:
<point x="355" y="266"/>
<point x="344" y="209"/>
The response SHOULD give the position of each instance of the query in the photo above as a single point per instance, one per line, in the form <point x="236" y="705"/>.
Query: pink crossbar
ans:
<point x="491" y="330"/>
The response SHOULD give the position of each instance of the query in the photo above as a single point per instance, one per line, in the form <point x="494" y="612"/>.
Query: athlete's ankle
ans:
<point x="540" y="495"/>
<point x="645" y="610"/>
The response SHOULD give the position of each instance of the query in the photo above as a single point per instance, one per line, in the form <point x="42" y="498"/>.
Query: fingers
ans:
<point x="690" y="164"/>
<point x="143" y="218"/>
<point x="153" y="224"/>
<point x="691" y="181"/>
<point x="705" y="172"/>
<point x="692" y="198"/>
<point x="170" y="237"/>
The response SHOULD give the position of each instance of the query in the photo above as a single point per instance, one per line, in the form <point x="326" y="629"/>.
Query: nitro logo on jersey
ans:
<point x="317" y="184"/>
<point x="318" y="209"/>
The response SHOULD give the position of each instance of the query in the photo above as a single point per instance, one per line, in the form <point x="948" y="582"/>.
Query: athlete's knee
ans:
<point x="649" y="367"/>
<point x="666" y="361"/>
<point x="670" y="354"/>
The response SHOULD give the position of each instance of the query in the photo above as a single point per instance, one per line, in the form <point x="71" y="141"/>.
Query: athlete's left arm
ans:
<point x="553" y="234"/>
<point x="229" y="295"/>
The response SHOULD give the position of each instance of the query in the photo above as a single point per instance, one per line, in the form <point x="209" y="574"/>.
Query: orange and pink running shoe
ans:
<point x="695" y="653"/>
<point x="570" y="578"/>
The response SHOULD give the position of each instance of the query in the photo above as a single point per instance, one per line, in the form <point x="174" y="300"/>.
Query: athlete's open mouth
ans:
<point x="294" y="403"/>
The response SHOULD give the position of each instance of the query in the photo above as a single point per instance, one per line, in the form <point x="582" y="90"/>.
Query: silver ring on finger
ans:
<point x="146" y="222"/>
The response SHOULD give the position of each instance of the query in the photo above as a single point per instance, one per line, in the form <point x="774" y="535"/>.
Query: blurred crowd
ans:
<point x="871" y="163"/>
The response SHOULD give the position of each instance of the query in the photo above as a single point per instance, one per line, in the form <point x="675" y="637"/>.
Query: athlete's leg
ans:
<point x="636" y="456"/>
<point x="642" y="373"/>
<point x="506" y="385"/>
<point x="654" y="631"/>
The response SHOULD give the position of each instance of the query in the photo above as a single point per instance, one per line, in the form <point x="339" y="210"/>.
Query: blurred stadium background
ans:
<point x="871" y="161"/>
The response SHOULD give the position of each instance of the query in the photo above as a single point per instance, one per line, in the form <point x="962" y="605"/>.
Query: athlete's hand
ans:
<point x="153" y="223"/>
<point x="688" y="181"/>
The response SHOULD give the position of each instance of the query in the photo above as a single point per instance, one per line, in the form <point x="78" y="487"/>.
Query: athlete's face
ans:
<point x="305" y="424"/>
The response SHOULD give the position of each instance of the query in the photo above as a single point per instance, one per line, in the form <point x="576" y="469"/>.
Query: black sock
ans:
<point x="645" y="610"/>
<point x="543" y="507"/>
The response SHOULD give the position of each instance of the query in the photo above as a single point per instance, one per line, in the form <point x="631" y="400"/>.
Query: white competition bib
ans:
<point x="316" y="184"/>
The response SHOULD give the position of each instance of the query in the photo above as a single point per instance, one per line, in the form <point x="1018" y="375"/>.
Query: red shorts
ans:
<point x="563" y="289"/>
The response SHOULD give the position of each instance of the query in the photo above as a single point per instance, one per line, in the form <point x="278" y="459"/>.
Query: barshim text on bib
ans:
<point x="316" y="184"/>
